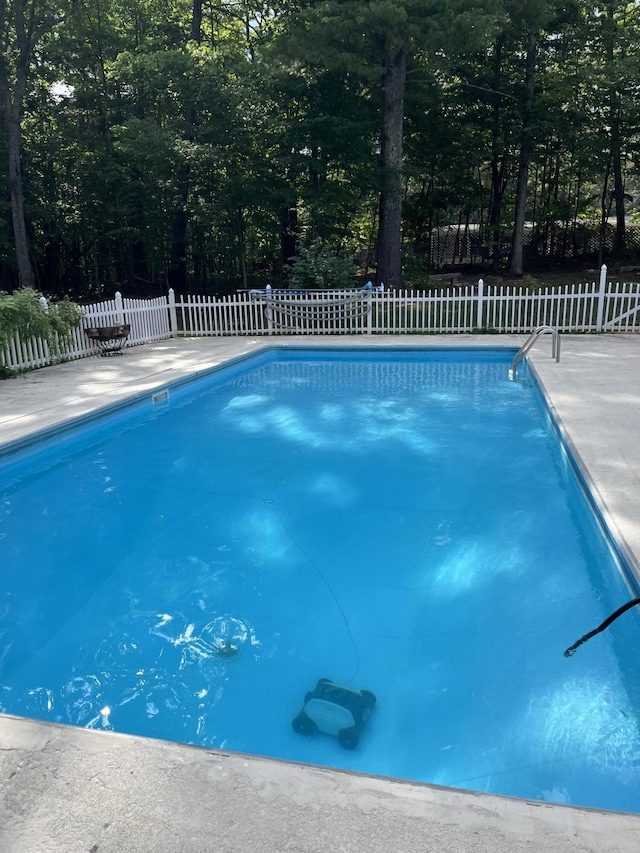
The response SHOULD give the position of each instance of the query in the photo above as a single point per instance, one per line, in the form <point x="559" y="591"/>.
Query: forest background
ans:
<point x="211" y="146"/>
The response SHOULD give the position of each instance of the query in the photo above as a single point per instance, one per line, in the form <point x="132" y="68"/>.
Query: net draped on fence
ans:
<point x="314" y="312"/>
<point x="592" y="307"/>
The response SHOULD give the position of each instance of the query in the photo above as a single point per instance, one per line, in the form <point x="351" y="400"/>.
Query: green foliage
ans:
<point x="153" y="141"/>
<point x="320" y="266"/>
<point x="528" y="282"/>
<point x="22" y="312"/>
<point x="415" y="272"/>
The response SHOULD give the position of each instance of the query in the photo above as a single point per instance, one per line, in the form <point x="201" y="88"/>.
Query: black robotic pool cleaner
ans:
<point x="336" y="711"/>
<point x="601" y="627"/>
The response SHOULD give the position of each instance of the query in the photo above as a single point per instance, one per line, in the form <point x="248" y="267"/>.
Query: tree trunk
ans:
<point x="196" y="21"/>
<point x="22" y="25"/>
<point x="177" y="274"/>
<point x="498" y="167"/>
<point x="618" y="189"/>
<point x="242" y="246"/>
<point x="604" y="214"/>
<point x="288" y="234"/>
<point x="525" y="158"/>
<point x="576" y="211"/>
<point x="13" y="84"/>
<point x="14" y="145"/>
<point x="615" y="123"/>
<point x="389" y="249"/>
<point x="498" y="183"/>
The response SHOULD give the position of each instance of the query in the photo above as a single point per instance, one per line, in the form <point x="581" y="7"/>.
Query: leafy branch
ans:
<point x="23" y="313"/>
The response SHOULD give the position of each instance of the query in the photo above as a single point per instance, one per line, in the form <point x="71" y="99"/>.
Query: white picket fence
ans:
<point x="148" y="318"/>
<point x="591" y="307"/>
<point x="600" y="306"/>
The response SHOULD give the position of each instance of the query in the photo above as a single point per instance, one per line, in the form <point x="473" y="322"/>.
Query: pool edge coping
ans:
<point x="587" y="483"/>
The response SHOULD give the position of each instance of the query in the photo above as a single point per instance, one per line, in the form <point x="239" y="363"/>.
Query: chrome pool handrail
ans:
<point x="533" y="337"/>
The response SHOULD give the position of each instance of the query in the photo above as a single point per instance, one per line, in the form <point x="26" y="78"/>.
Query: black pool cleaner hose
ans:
<point x="601" y="627"/>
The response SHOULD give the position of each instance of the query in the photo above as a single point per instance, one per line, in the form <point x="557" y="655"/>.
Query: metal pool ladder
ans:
<point x="533" y="337"/>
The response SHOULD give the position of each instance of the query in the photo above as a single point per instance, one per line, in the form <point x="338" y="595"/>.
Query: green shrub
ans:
<point x="530" y="283"/>
<point x="320" y="266"/>
<point x="22" y="312"/>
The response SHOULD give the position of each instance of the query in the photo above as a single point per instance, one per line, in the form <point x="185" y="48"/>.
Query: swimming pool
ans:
<point x="344" y="516"/>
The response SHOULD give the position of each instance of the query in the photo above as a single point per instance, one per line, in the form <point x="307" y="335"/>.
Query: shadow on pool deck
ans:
<point x="65" y="790"/>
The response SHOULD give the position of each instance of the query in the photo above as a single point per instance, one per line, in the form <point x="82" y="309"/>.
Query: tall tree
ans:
<point x="177" y="274"/>
<point x="381" y="38"/>
<point x="23" y="24"/>
<point x="526" y="151"/>
<point x="617" y="35"/>
<point x="185" y="141"/>
<point x="389" y="247"/>
<point x="543" y="27"/>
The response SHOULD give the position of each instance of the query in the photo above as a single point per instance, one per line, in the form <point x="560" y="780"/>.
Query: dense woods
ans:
<point x="205" y="146"/>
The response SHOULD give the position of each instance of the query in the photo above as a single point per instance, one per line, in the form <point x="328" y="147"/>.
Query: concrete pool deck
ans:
<point x="65" y="790"/>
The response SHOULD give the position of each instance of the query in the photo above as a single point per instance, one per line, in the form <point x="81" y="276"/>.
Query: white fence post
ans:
<point x="480" y="303"/>
<point x="369" y="311"/>
<point x="173" y="316"/>
<point x="601" y="297"/>
<point x="119" y="307"/>
<point x="268" y="310"/>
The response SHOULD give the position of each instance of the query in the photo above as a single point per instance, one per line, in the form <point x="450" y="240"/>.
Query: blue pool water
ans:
<point x="406" y="523"/>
